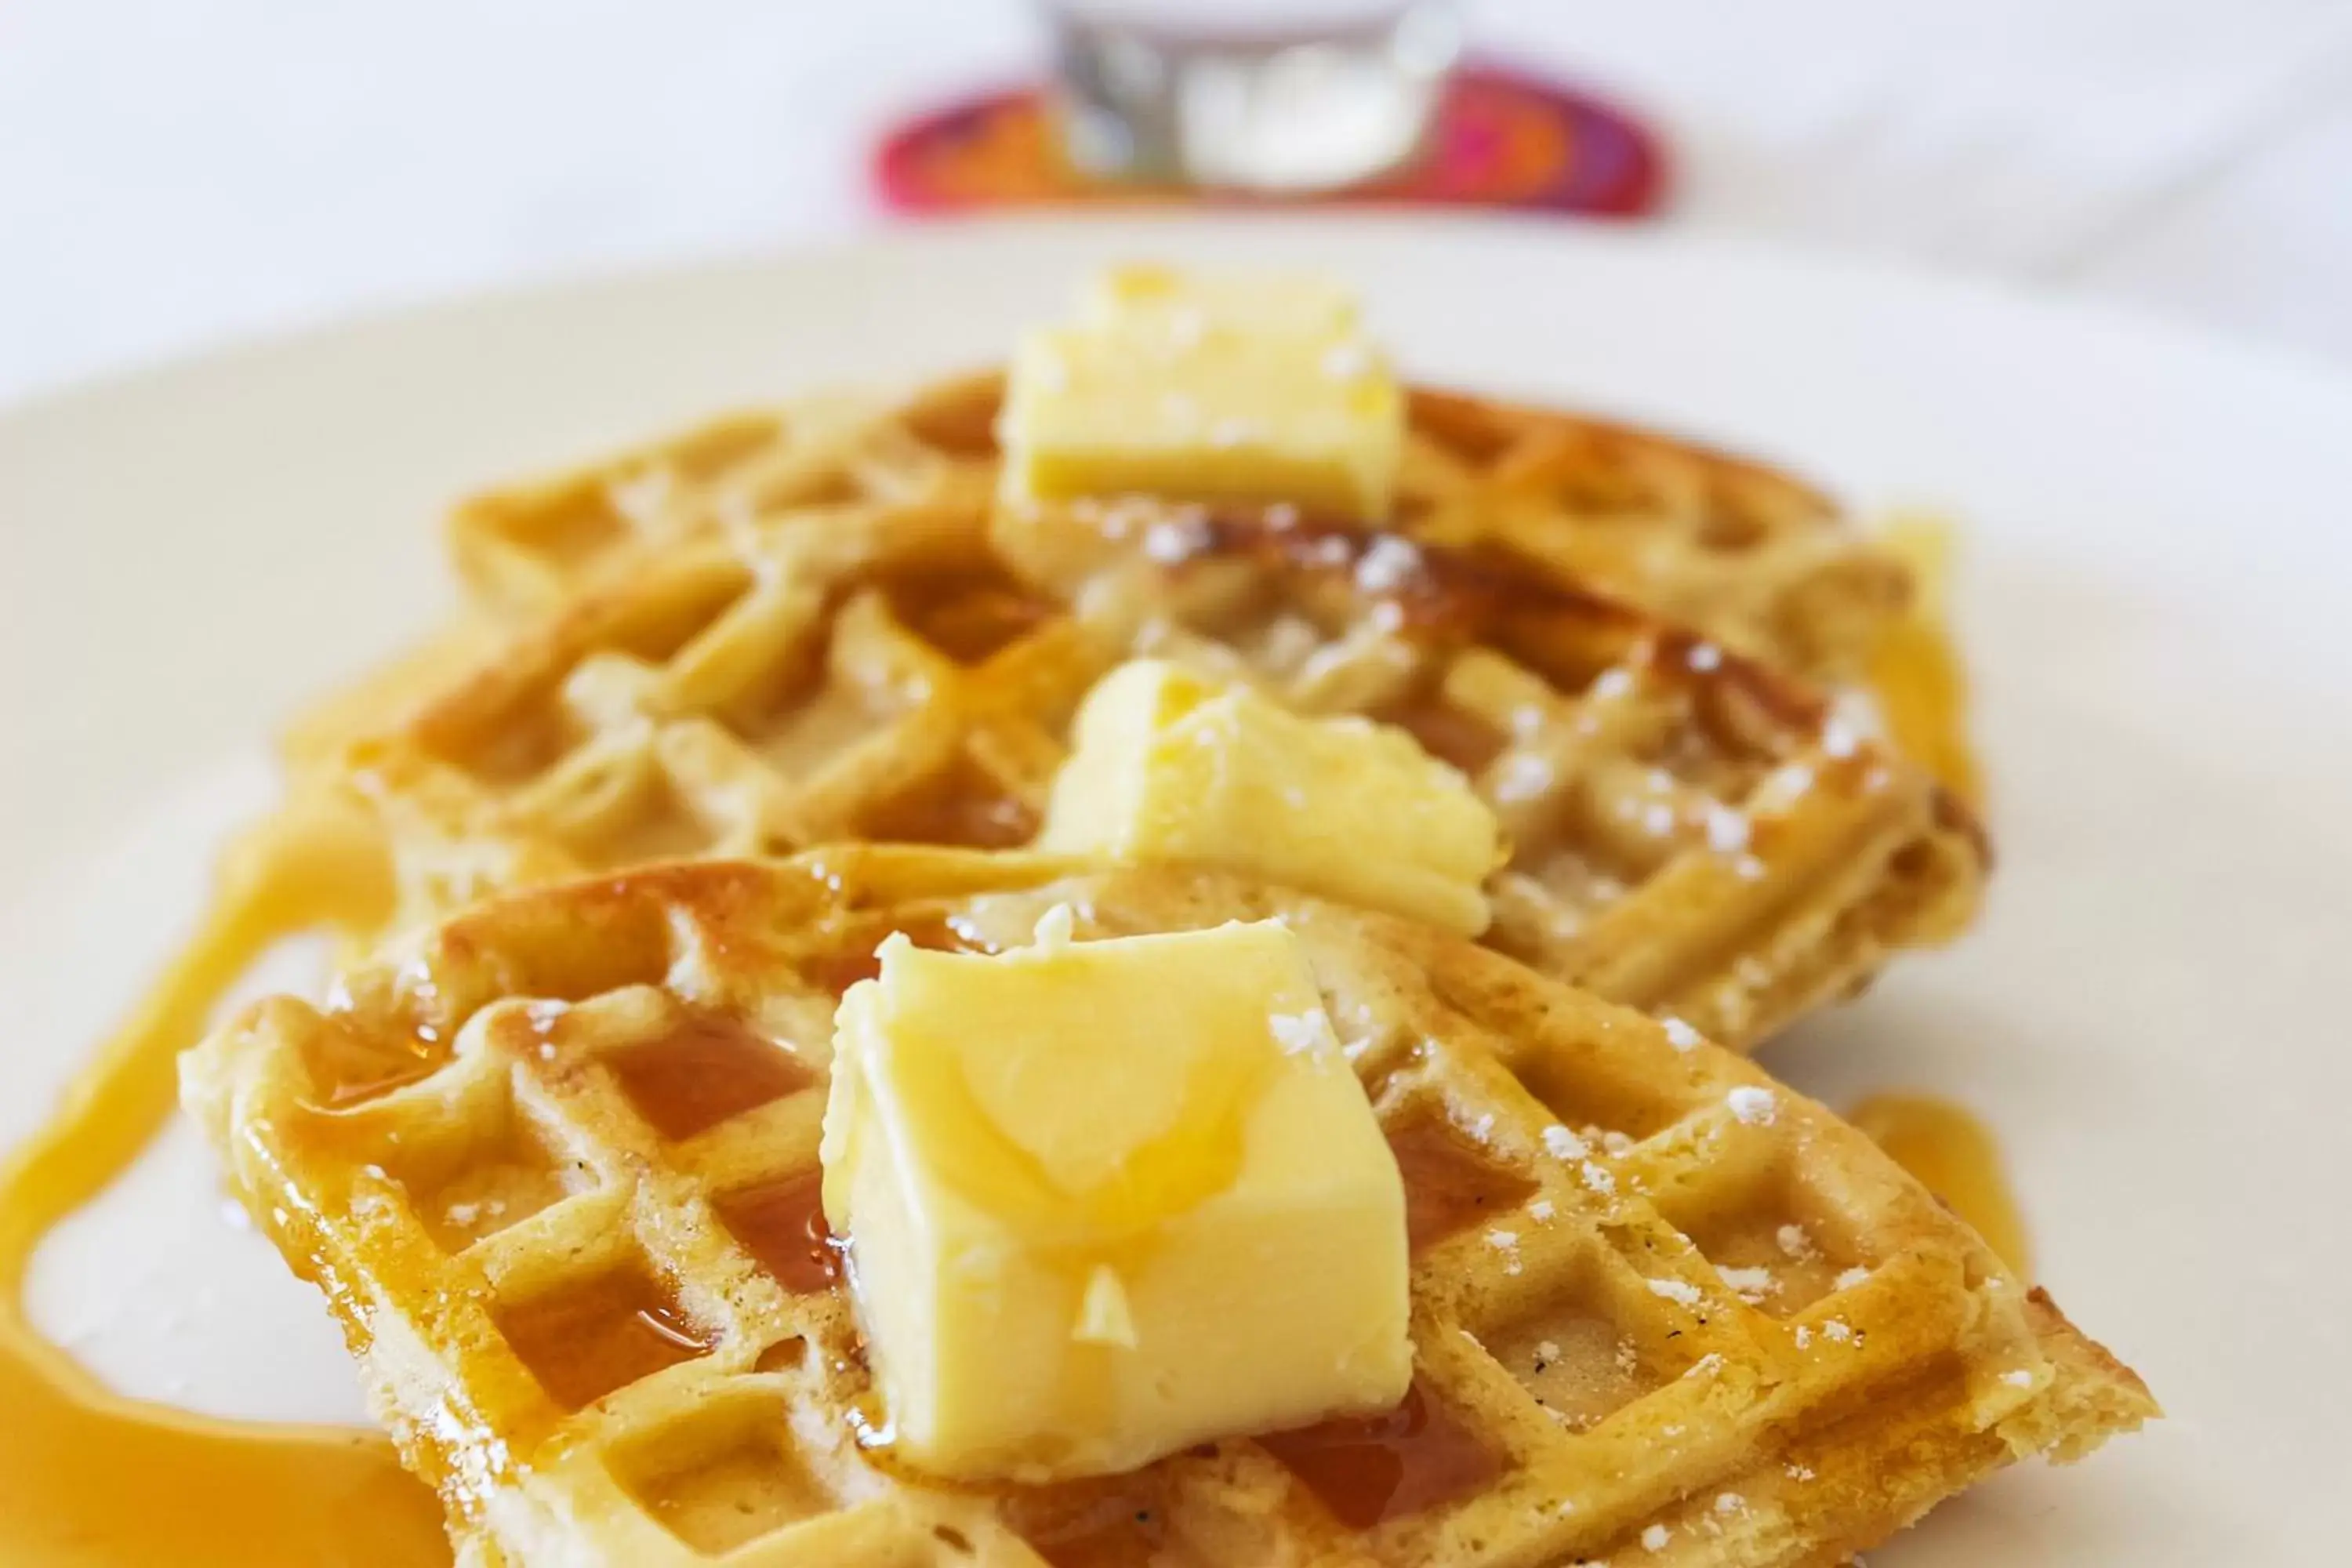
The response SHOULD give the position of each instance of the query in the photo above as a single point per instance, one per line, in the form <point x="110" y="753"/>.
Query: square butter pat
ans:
<point x="1170" y="767"/>
<point x="1226" y="390"/>
<point x="1106" y="1200"/>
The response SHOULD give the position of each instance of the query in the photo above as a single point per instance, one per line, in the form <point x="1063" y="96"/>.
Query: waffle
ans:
<point x="559" y="1186"/>
<point x="1692" y="834"/>
<point x="1739" y="552"/>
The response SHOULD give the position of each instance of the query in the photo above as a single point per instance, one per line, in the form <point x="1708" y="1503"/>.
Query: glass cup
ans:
<point x="1267" y="96"/>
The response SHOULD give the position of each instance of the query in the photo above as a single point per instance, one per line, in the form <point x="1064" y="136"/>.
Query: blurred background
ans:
<point x="175" y="175"/>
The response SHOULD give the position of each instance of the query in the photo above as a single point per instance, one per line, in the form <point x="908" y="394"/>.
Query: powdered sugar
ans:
<point x="1522" y="777"/>
<point x="1388" y="564"/>
<point x="1297" y="1033"/>
<point x="1562" y="1144"/>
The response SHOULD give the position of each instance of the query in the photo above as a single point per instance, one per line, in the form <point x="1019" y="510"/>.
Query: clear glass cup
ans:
<point x="1266" y="95"/>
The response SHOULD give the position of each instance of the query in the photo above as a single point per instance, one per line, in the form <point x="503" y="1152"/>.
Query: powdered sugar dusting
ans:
<point x="1562" y="1144"/>
<point x="1297" y="1033"/>
<point x="1387" y="566"/>
<point x="1522" y="777"/>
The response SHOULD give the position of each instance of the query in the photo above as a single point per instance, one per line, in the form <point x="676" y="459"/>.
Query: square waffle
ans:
<point x="1693" y="832"/>
<point x="1741" y="552"/>
<point x="553" y="1164"/>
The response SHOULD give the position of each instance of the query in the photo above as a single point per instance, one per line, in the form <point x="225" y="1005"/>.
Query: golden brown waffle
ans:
<point x="554" y="1166"/>
<point x="1692" y="834"/>
<point x="1738" y="552"/>
<point x="526" y="547"/>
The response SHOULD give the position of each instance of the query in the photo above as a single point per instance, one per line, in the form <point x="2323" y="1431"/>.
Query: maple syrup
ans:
<point x="582" y="1341"/>
<point x="89" y="1478"/>
<point x="347" y="1070"/>
<point x="708" y="1068"/>
<point x="963" y="805"/>
<point x="970" y="614"/>
<point x="783" y="1224"/>
<point x="1449" y="1185"/>
<point x="1369" y="1469"/>
<point x="1956" y="1158"/>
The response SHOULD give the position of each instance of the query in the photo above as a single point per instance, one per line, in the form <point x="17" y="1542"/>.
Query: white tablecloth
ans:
<point x="172" y="175"/>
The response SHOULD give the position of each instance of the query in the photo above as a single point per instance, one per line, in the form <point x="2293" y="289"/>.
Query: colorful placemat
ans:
<point x="1502" y="139"/>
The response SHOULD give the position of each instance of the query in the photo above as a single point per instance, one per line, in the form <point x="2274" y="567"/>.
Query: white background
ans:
<point x="176" y="174"/>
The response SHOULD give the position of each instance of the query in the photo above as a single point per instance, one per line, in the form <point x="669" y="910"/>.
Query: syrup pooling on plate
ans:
<point x="97" y="1481"/>
<point x="1956" y="1157"/>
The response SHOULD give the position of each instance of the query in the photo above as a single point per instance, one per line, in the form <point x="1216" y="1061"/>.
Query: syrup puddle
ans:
<point x="99" y="1480"/>
<point x="1956" y="1157"/>
<point x="94" y="1478"/>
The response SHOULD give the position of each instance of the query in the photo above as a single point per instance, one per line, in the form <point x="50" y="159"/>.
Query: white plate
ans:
<point x="2158" y="551"/>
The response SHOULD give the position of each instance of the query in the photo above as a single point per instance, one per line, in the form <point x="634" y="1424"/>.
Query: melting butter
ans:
<point x="1240" y="389"/>
<point x="1170" y="767"/>
<point x="1105" y="1200"/>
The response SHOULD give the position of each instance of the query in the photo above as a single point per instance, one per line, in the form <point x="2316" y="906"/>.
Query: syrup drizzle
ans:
<point x="97" y="1480"/>
<point x="1369" y="1469"/>
<point x="1448" y="1184"/>
<point x="1956" y="1158"/>
<point x="783" y="1224"/>
<point x="706" y="1069"/>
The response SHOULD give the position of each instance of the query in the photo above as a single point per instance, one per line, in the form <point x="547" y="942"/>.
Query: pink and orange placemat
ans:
<point x="1501" y="138"/>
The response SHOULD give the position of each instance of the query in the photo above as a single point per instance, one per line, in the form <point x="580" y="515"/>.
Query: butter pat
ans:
<point x="1106" y="1200"/>
<point x="1213" y="390"/>
<point x="1169" y="767"/>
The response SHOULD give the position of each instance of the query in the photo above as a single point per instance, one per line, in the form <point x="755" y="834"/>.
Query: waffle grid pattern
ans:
<point x="1737" y="551"/>
<point x="1664" y="1310"/>
<point x="1693" y="832"/>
